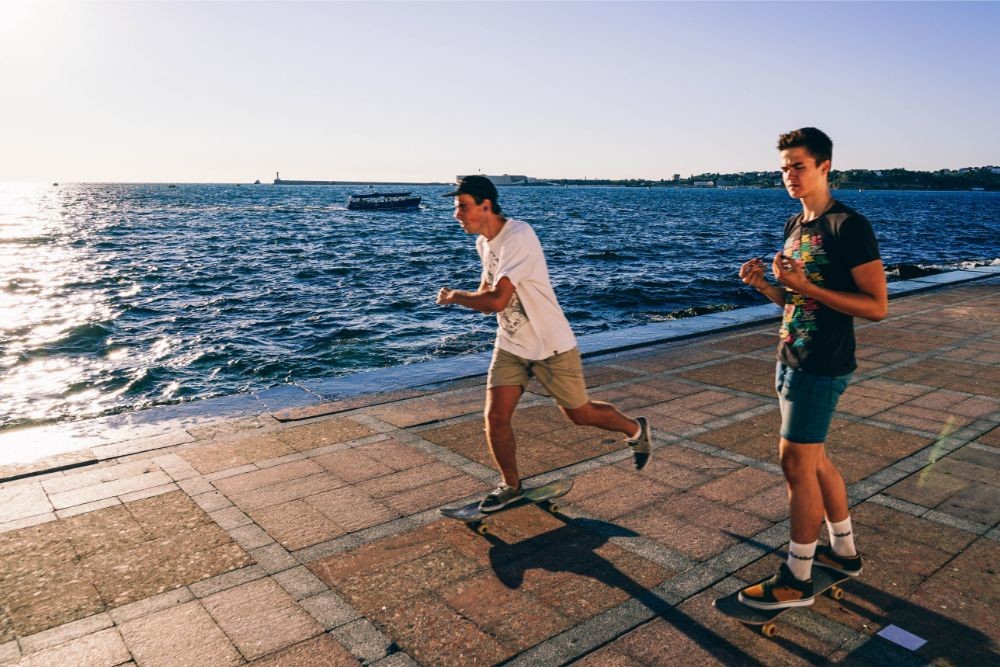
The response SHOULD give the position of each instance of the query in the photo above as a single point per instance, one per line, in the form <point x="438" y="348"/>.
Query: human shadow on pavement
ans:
<point x="948" y="641"/>
<point x="573" y="549"/>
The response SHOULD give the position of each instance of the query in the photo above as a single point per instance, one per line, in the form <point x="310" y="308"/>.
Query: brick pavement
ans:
<point x="311" y="536"/>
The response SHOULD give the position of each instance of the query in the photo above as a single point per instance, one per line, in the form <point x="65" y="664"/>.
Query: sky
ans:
<point x="232" y="92"/>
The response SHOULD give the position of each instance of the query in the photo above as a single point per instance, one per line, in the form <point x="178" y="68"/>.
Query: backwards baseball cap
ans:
<point x="479" y="187"/>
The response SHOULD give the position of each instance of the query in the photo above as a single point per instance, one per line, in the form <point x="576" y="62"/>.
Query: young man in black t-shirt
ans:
<point x="829" y="272"/>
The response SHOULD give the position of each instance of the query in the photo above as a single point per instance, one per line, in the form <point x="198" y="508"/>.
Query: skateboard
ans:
<point x="823" y="580"/>
<point x="539" y="495"/>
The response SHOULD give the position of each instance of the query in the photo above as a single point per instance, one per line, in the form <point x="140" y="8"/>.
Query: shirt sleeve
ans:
<point x="517" y="259"/>
<point x="482" y="260"/>
<point x="858" y="242"/>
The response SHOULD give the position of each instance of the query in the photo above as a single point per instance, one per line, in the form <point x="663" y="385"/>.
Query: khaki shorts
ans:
<point x="561" y="375"/>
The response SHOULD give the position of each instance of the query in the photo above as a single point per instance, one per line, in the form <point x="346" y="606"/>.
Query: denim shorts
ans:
<point x="807" y="403"/>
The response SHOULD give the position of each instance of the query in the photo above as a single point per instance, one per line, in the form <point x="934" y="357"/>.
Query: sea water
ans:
<point x="115" y="297"/>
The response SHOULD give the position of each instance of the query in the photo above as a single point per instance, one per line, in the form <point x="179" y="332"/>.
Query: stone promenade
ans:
<point x="311" y="536"/>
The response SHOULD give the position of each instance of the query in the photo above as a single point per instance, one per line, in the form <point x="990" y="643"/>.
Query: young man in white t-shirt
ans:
<point x="533" y="336"/>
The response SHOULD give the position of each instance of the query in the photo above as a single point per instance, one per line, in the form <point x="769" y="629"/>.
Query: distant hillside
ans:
<point x="970" y="178"/>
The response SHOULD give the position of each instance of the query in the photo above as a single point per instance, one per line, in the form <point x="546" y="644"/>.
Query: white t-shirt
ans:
<point x="532" y="326"/>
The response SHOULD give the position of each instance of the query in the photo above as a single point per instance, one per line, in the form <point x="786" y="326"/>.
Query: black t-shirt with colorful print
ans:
<point x="815" y="338"/>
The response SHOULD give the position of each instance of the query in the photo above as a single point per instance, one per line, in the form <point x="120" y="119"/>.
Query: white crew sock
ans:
<point x="637" y="433"/>
<point x="800" y="559"/>
<point x="842" y="538"/>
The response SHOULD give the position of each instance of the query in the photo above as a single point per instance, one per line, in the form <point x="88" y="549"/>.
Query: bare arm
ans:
<point x="871" y="301"/>
<point x="486" y="299"/>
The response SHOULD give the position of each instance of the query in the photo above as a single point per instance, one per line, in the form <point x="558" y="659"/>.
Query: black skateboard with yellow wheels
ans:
<point x="540" y="495"/>
<point x="823" y="580"/>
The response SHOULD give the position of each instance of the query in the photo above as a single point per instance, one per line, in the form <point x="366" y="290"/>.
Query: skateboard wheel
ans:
<point x="553" y="507"/>
<point x="769" y="629"/>
<point x="482" y="529"/>
<point x="836" y="592"/>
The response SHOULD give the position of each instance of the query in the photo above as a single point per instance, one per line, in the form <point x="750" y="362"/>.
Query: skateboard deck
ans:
<point x="539" y="495"/>
<point x="823" y="580"/>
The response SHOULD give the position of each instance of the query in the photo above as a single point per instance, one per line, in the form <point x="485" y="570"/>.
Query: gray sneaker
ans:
<point x="500" y="497"/>
<point x="642" y="447"/>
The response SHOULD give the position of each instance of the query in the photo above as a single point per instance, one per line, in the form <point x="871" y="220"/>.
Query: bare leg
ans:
<point x="602" y="415"/>
<point x="500" y="404"/>
<point x="800" y="463"/>
<point x="834" y="491"/>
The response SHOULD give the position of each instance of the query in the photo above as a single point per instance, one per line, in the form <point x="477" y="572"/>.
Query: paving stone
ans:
<point x="89" y="507"/>
<point x="209" y="502"/>
<point x="237" y="452"/>
<point x="435" y="494"/>
<point x="709" y="514"/>
<point x="329" y="609"/>
<point x="980" y="503"/>
<point x="517" y="620"/>
<point x="396" y="660"/>
<point x="250" y="536"/>
<point x="959" y="628"/>
<point x="669" y="359"/>
<point x="738" y="485"/>
<point x="19" y="502"/>
<point x="770" y="504"/>
<point x="48" y="598"/>
<point x="71" y="480"/>
<point x="351" y="508"/>
<point x="434" y="634"/>
<point x="693" y="541"/>
<point x="673" y="640"/>
<point x="323" y="433"/>
<point x="273" y="558"/>
<point x="65" y="633"/>
<point x="363" y="639"/>
<point x="755" y="376"/>
<point x="9" y="652"/>
<point x="297" y="524"/>
<point x="195" y="485"/>
<point x="182" y="635"/>
<point x="299" y="582"/>
<point x="268" y="477"/>
<point x="372" y="589"/>
<point x="872" y="516"/>
<point x="928" y="487"/>
<point x="230" y="517"/>
<point x="260" y="617"/>
<point x="150" y="605"/>
<point x="352" y="465"/>
<point x="118" y="487"/>
<point x="27" y="522"/>
<point x="226" y="581"/>
<point x="284" y="492"/>
<point x="321" y="651"/>
<point x="979" y="563"/>
<point x="100" y="649"/>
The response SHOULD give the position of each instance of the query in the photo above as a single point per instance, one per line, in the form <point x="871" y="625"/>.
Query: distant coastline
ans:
<point x="985" y="178"/>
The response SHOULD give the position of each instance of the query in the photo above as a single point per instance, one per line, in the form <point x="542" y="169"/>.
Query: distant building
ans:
<point x="703" y="184"/>
<point x="677" y="177"/>
<point x="506" y="179"/>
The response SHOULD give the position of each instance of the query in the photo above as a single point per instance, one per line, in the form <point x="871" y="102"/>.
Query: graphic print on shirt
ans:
<point x="513" y="317"/>
<point x="799" y="319"/>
